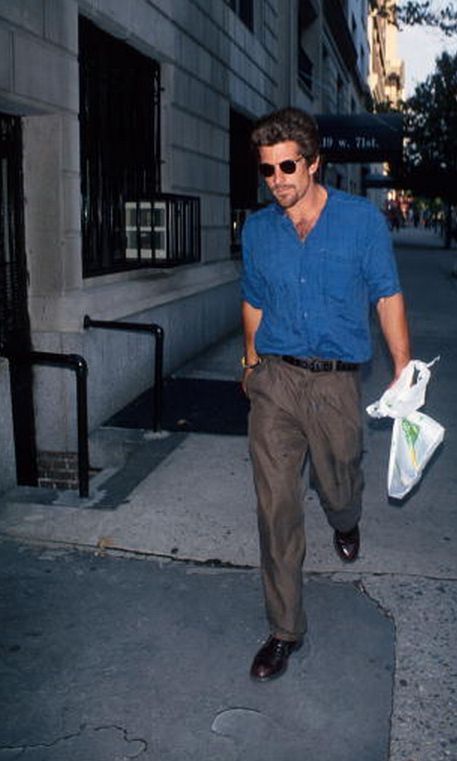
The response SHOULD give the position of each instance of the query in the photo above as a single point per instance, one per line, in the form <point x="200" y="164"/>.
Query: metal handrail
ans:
<point x="158" y="333"/>
<point x="78" y="364"/>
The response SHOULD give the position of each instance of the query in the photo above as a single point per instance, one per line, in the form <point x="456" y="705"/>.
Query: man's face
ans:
<point x="288" y="189"/>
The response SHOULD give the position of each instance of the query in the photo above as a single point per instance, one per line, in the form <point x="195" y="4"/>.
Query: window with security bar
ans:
<point x="307" y="50"/>
<point x="163" y="232"/>
<point x="127" y="222"/>
<point x="245" y="10"/>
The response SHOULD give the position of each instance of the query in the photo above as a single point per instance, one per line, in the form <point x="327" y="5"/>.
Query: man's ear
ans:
<point x="314" y="166"/>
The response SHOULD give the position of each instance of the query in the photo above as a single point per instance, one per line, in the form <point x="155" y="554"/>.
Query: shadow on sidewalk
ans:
<point x="190" y="405"/>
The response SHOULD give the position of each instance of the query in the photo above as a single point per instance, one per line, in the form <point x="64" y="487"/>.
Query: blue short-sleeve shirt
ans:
<point x="315" y="295"/>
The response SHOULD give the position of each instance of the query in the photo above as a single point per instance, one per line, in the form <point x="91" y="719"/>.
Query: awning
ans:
<point x="382" y="181"/>
<point x="361" y="138"/>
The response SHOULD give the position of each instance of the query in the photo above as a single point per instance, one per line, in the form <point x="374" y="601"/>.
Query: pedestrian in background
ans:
<point x="314" y="261"/>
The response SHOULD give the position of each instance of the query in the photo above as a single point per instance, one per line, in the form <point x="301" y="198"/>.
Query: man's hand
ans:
<point x="246" y="374"/>
<point x="251" y="321"/>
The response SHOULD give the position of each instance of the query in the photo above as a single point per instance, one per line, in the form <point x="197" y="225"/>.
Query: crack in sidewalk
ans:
<point x="84" y="728"/>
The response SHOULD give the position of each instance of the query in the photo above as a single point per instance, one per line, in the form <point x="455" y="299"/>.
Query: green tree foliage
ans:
<point x="435" y="13"/>
<point x="430" y="155"/>
<point x="431" y="126"/>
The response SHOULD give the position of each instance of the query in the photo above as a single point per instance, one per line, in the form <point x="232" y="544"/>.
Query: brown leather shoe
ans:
<point x="271" y="660"/>
<point x="347" y="544"/>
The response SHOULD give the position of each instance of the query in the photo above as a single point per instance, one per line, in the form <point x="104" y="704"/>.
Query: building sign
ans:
<point x="361" y="138"/>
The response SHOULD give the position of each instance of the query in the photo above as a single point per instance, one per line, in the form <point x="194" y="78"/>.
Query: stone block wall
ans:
<point x="210" y="63"/>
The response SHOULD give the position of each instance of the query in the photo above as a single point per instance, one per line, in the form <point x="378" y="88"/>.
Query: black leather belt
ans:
<point x="321" y="365"/>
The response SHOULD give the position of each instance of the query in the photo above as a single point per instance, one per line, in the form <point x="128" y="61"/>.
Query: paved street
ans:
<point x="129" y="619"/>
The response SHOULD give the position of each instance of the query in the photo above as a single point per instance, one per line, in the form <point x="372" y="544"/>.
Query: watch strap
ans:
<point x="249" y="365"/>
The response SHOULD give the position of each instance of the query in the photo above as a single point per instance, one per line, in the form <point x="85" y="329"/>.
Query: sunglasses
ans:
<point x="287" y="167"/>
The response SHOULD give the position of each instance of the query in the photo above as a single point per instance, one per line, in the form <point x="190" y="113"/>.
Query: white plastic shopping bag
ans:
<point x="414" y="439"/>
<point x="415" y="436"/>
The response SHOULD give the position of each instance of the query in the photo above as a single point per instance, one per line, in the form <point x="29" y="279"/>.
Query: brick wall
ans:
<point x="58" y="470"/>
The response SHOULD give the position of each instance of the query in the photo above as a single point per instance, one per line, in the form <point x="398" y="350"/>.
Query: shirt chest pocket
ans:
<point x="340" y="278"/>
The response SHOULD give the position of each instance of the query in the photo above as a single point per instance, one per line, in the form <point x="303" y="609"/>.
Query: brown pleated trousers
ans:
<point x="293" y="412"/>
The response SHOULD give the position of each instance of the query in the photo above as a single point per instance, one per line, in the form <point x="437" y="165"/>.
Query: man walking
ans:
<point x="314" y="261"/>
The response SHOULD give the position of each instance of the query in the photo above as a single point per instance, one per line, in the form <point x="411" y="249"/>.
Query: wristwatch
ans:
<point x="249" y="366"/>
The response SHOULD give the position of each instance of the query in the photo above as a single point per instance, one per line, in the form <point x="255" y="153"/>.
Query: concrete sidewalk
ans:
<point x="108" y="657"/>
<point x="189" y="497"/>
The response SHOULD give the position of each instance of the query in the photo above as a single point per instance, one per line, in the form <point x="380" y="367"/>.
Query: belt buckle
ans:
<point x="323" y="365"/>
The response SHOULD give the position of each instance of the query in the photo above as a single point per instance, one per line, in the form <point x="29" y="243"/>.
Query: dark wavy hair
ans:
<point x="288" y="124"/>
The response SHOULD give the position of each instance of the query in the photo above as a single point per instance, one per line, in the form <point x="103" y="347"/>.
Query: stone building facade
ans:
<point x="126" y="173"/>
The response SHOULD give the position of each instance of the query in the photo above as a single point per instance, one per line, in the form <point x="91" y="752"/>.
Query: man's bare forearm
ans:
<point x="251" y="321"/>
<point x="394" y="325"/>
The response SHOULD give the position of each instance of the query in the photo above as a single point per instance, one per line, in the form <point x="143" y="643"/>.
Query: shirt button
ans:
<point x="305" y="314"/>
<point x="303" y="280"/>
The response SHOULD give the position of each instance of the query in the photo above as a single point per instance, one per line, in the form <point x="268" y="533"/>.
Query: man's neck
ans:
<point x="306" y="212"/>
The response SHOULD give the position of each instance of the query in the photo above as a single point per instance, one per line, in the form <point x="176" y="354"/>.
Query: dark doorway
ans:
<point x="14" y="318"/>
<point x="243" y="176"/>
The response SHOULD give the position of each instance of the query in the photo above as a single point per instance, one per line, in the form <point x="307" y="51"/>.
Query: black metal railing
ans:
<point x="158" y="333"/>
<point x="183" y="228"/>
<point x="78" y="364"/>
